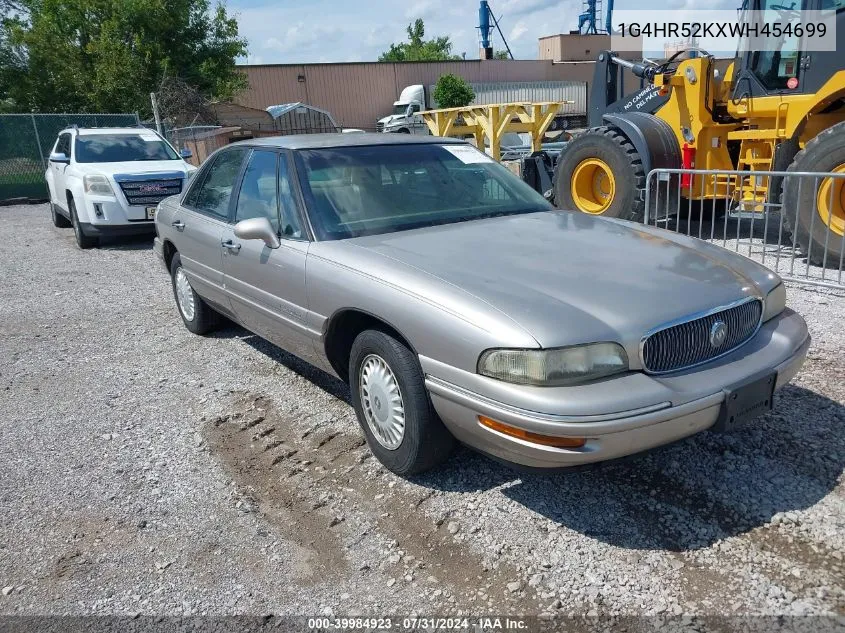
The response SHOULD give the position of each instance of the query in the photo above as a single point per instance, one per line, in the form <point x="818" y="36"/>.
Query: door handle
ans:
<point x="230" y="245"/>
<point x="178" y="224"/>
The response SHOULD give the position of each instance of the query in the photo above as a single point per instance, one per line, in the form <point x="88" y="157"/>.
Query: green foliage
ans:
<point x="108" y="55"/>
<point x="452" y="91"/>
<point x="416" y="49"/>
<point x="501" y="55"/>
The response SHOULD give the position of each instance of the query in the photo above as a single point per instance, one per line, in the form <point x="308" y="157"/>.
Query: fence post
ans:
<point x="156" y="114"/>
<point x="37" y="139"/>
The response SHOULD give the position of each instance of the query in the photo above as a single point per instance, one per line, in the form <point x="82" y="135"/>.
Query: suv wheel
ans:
<point x="82" y="240"/>
<point x="393" y="406"/>
<point x="196" y="314"/>
<point x="58" y="219"/>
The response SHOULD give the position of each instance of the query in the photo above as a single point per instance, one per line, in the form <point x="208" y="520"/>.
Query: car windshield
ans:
<point x="355" y="191"/>
<point x="399" y="108"/>
<point x="116" y="148"/>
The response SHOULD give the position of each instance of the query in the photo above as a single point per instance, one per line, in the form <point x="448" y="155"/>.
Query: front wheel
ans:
<point x="59" y="220"/>
<point x="82" y="241"/>
<point x="601" y="173"/>
<point x="393" y="406"/>
<point x="196" y="314"/>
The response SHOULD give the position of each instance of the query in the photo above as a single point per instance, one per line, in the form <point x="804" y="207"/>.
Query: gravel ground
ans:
<point x="148" y="470"/>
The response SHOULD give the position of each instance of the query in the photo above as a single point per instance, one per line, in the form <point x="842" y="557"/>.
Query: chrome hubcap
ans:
<point x="184" y="295"/>
<point x="381" y="401"/>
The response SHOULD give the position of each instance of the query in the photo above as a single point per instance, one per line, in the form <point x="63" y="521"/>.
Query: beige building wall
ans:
<point x="358" y="94"/>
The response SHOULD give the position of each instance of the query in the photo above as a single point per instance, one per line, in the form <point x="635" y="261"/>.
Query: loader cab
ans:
<point x="784" y="68"/>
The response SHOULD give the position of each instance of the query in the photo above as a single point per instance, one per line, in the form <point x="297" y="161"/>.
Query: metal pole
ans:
<point x="37" y="140"/>
<point x="154" y="102"/>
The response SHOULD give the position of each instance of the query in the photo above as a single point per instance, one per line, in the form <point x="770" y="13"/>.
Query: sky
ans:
<point x="285" y="31"/>
<point x="301" y="31"/>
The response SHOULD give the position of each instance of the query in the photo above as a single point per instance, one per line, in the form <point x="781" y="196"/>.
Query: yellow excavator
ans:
<point x="771" y="110"/>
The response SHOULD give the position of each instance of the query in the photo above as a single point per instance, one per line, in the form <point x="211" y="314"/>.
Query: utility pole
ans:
<point x="155" y="112"/>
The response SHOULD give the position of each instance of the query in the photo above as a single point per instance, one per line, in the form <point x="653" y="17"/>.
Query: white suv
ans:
<point x="109" y="181"/>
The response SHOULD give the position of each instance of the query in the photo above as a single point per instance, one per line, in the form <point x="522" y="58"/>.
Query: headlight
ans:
<point x="96" y="183"/>
<point x="775" y="302"/>
<point x="554" y="367"/>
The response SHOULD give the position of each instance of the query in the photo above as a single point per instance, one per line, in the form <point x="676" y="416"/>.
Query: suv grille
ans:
<point x="149" y="192"/>
<point x="690" y="343"/>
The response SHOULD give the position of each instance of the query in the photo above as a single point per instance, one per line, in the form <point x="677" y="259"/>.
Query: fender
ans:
<point x="73" y="184"/>
<point x="652" y="137"/>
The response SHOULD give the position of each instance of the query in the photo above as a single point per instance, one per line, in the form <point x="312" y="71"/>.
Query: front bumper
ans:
<point x="108" y="215"/>
<point x="105" y="230"/>
<point x="680" y="405"/>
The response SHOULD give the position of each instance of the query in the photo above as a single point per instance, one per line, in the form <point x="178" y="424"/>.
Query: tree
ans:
<point x="501" y="55"/>
<point x="416" y="49"/>
<point x="108" y="55"/>
<point x="452" y="91"/>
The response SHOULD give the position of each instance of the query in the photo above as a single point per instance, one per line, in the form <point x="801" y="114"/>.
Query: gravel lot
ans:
<point x="148" y="470"/>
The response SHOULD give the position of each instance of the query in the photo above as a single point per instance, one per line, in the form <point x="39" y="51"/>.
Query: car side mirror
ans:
<point x="409" y="111"/>
<point x="59" y="157"/>
<point x="258" y="229"/>
<point x="185" y="153"/>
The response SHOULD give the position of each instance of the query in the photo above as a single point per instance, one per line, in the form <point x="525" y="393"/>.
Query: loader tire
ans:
<point x="816" y="218"/>
<point x="601" y="173"/>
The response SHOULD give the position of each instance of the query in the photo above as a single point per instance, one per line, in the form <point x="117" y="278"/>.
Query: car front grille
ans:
<point x="149" y="192"/>
<point x="691" y="342"/>
<point x="379" y="127"/>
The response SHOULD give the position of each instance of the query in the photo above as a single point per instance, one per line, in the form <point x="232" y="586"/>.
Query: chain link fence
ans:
<point x="25" y="144"/>
<point x="792" y="222"/>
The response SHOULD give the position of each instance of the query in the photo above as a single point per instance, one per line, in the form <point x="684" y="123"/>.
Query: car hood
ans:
<point x="570" y="278"/>
<point x="135" y="167"/>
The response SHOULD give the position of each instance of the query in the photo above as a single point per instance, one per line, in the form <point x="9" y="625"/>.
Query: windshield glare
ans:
<point x="355" y="191"/>
<point x="116" y="148"/>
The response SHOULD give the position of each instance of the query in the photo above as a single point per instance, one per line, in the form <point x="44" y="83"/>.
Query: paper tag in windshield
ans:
<point x="149" y="137"/>
<point x="467" y="154"/>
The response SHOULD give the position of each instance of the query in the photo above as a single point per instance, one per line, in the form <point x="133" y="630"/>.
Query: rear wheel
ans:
<point x="820" y="208"/>
<point x="82" y="241"/>
<point x="601" y="173"/>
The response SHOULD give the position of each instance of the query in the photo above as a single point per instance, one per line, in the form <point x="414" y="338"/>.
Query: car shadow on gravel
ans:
<point x="317" y="376"/>
<point x="688" y="495"/>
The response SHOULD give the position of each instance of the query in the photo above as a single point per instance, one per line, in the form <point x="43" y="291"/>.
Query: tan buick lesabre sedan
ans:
<point x="459" y="305"/>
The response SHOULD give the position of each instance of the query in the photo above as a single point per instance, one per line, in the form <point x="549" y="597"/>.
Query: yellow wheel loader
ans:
<point x="772" y="110"/>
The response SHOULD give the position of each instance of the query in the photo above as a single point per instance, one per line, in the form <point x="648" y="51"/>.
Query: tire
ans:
<point x="403" y="131"/>
<point x="424" y="441"/>
<point x="59" y="220"/>
<point x="817" y="221"/>
<point x="201" y="319"/>
<point x="82" y="241"/>
<point x="604" y="157"/>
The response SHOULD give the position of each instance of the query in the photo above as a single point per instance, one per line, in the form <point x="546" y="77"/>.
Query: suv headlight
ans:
<point x="554" y="367"/>
<point x="775" y="302"/>
<point x="97" y="183"/>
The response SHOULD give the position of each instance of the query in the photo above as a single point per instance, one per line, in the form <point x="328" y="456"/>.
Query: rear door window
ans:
<point x="214" y="194"/>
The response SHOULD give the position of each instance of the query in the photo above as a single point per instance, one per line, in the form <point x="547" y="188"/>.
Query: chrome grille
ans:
<point x="379" y="127"/>
<point x="688" y="344"/>
<point x="149" y="192"/>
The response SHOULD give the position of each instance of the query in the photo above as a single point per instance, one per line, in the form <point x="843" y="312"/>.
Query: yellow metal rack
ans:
<point x="494" y="120"/>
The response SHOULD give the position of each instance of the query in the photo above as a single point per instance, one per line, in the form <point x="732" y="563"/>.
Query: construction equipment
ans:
<point x="772" y="110"/>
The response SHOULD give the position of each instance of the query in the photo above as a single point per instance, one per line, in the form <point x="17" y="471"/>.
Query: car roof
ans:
<point x="107" y="130"/>
<point x="316" y="141"/>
